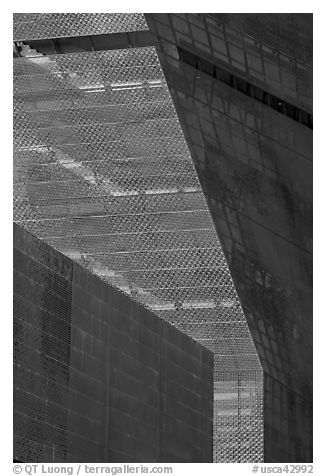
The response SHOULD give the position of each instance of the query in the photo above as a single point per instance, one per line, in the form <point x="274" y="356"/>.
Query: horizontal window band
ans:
<point x="138" y="39"/>
<point x="243" y="86"/>
<point x="77" y="44"/>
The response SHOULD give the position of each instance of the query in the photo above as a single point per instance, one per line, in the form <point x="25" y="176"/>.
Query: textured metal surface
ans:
<point x="29" y="26"/>
<point x="75" y="370"/>
<point x="261" y="205"/>
<point x="289" y="33"/>
<point x="42" y="305"/>
<point x="104" y="175"/>
<point x="267" y="67"/>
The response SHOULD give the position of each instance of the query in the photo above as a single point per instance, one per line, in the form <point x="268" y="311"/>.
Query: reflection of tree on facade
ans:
<point x="122" y="185"/>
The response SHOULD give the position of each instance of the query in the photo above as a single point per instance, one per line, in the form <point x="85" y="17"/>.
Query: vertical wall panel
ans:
<point x="99" y="378"/>
<point x="255" y="167"/>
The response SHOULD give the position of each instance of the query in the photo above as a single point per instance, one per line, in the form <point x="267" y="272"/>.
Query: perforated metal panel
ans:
<point x="104" y="175"/>
<point x="30" y="26"/>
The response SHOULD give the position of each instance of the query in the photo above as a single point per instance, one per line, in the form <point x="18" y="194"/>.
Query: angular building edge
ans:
<point x="97" y="376"/>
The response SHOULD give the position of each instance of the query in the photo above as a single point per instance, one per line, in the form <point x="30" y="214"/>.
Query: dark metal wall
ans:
<point x="97" y="376"/>
<point x="105" y="176"/>
<point x="255" y="167"/>
<point x="286" y="32"/>
<point x="288" y="423"/>
<point x="42" y="343"/>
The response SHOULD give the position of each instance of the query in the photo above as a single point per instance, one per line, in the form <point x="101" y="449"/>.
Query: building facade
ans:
<point x="242" y="86"/>
<point x="97" y="376"/>
<point x="158" y="151"/>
